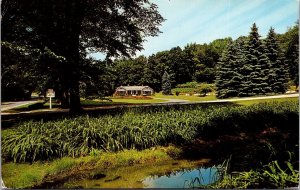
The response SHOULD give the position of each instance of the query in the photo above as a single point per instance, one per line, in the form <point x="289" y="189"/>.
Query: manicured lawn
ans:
<point x="136" y="101"/>
<point x="250" y="102"/>
<point x="118" y="101"/>
<point x="184" y="97"/>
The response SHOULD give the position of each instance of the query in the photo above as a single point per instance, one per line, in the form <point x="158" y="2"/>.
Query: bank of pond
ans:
<point x="215" y="146"/>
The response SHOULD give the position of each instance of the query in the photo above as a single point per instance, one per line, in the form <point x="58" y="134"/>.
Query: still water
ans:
<point x="183" y="179"/>
<point x="179" y="174"/>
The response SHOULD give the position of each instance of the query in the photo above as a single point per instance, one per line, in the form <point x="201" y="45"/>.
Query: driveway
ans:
<point x="11" y="105"/>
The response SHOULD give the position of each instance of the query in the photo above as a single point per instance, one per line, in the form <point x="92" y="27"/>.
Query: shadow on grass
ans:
<point x="110" y="108"/>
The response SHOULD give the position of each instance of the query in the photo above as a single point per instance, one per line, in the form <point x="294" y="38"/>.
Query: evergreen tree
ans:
<point x="257" y="63"/>
<point x="166" y="84"/>
<point x="278" y="74"/>
<point x="224" y="72"/>
<point x="228" y="77"/>
<point x="238" y="81"/>
<point x="245" y="70"/>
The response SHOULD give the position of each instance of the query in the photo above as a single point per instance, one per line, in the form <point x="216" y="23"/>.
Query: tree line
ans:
<point x="71" y="30"/>
<point x="246" y="66"/>
<point x="252" y="66"/>
<point x="45" y="45"/>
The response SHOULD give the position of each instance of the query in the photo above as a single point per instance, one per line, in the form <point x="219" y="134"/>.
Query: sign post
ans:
<point x="50" y="94"/>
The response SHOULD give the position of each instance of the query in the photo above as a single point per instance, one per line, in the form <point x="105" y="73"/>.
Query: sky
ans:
<point x="202" y="21"/>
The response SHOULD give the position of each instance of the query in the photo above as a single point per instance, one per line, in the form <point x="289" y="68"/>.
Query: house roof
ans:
<point x="144" y="88"/>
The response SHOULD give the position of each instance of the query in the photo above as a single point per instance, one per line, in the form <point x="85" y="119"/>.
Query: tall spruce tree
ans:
<point x="166" y="84"/>
<point x="225" y="73"/>
<point x="278" y="73"/>
<point x="239" y="79"/>
<point x="257" y="62"/>
<point x="228" y="76"/>
<point x="245" y="70"/>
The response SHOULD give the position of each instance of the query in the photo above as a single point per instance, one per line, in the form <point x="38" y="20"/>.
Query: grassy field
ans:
<point x="85" y="103"/>
<point x="184" y="97"/>
<point x="250" y="102"/>
<point x="127" y="101"/>
<point x="137" y="101"/>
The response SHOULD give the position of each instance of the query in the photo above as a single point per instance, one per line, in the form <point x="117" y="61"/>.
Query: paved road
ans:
<point x="11" y="105"/>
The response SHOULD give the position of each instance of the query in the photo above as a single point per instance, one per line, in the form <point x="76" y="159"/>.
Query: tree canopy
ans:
<point x="72" y="29"/>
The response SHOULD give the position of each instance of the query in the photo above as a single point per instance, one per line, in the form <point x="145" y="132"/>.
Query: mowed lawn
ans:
<point x="184" y="97"/>
<point x="129" y="101"/>
<point x="118" y="101"/>
<point x="250" y="102"/>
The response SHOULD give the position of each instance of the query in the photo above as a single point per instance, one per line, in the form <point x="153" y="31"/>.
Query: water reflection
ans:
<point x="183" y="179"/>
<point x="169" y="174"/>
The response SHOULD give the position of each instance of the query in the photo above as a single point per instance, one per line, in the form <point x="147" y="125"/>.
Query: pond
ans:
<point x="172" y="174"/>
<point x="187" y="178"/>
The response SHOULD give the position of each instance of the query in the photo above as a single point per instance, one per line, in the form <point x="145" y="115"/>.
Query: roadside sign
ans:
<point x="50" y="94"/>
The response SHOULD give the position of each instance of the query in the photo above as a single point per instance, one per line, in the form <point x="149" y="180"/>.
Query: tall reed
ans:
<point x="140" y="129"/>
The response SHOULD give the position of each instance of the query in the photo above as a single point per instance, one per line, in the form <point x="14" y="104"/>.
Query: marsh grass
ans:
<point x="63" y="164"/>
<point x="270" y="176"/>
<point x="140" y="129"/>
<point x="273" y="175"/>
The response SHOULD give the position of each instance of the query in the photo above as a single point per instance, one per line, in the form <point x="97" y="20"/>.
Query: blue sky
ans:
<point x="202" y="21"/>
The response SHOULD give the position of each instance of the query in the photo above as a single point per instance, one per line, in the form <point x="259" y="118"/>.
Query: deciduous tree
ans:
<point x="68" y="26"/>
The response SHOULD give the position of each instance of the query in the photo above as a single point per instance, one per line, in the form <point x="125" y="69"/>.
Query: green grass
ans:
<point x="184" y="97"/>
<point x="250" y="102"/>
<point x="137" y="101"/>
<point x="118" y="101"/>
<point x="139" y="128"/>
<point x="85" y="102"/>
<point x="27" y="175"/>
<point x="270" y="176"/>
<point x="40" y="105"/>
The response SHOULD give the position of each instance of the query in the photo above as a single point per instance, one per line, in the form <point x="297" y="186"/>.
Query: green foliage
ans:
<point x="27" y="175"/>
<point x="289" y="43"/>
<point x="278" y="73"/>
<point x="140" y="129"/>
<point x="271" y="175"/>
<point x="250" y="66"/>
<point x="46" y="24"/>
<point x="228" y="74"/>
<point x="25" y="69"/>
<point x="194" y="87"/>
<point x="166" y="84"/>
<point x="193" y="84"/>
<point x="59" y="165"/>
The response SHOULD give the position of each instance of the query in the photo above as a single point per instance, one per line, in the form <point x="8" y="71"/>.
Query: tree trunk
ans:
<point x="70" y="45"/>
